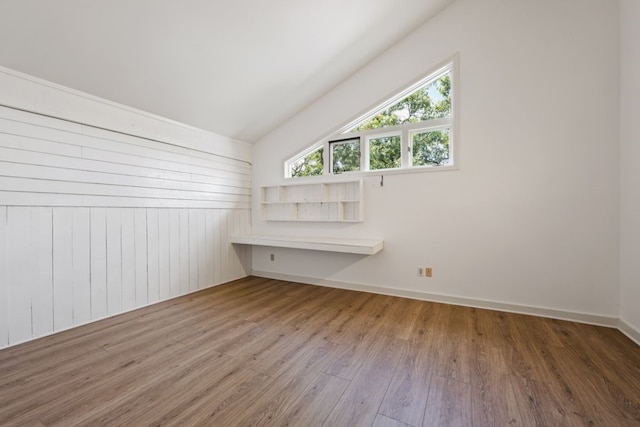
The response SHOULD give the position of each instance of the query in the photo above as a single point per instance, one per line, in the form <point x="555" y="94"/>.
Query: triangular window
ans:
<point x="412" y="130"/>
<point x="430" y="101"/>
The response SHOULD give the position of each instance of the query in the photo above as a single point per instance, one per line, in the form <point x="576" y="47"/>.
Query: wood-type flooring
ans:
<point x="272" y="353"/>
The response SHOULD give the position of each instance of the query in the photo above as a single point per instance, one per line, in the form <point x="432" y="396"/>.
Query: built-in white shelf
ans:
<point x="330" y="244"/>
<point x="317" y="202"/>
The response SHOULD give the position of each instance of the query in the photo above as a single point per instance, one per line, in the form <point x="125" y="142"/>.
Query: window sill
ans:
<point x="364" y="174"/>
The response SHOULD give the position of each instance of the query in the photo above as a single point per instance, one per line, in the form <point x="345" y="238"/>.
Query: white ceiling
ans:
<point x="238" y="68"/>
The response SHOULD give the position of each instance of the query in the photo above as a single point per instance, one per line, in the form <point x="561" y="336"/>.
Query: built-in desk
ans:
<point x="330" y="244"/>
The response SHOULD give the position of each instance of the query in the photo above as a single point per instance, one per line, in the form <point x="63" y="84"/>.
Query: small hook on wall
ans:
<point x="381" y="180"/>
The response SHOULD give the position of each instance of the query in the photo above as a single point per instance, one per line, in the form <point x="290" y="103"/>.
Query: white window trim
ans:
<point x="369" y="137"/>
<point x="305" y="153"/>
<point x="439" y="72"/>
<point x="406" y="130"/>
<point x="348" y="138"/>
<point x="427" y="129"/>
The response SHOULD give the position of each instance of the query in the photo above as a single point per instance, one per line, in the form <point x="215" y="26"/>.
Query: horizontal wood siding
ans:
<point x="94" y="222"/>
<point x="85" y="166"/>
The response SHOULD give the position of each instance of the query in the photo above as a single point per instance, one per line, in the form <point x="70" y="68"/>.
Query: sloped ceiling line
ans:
<point x="238" y="68"/>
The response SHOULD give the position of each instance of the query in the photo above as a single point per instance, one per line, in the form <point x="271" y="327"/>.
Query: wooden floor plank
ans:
<point x="268" y="352"/>
<point x="277" y="397"/>
<point x="448" y="404"/>
<point x="224" y="404"/>
<point x="540" y="405"/>
<point x="164" y="393"/>
<point x="383" y="421"/>
<point x="406" y="396"/>
<point x="119" y="388"/>
<point x="359" y="404"/>
<point x="315" y="403"/>
<point x="494" y="402"/>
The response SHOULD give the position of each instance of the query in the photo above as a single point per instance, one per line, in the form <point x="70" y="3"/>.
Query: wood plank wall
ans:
<point x="94" y="222"/>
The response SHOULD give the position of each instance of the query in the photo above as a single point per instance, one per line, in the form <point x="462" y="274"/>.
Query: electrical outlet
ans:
<point x="428" y="272"/>
<point x="420" y="272"/>
<point x="272" y="257"/>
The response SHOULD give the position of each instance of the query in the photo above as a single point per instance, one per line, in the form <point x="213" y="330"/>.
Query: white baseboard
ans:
<point x="629" y="331"/>
<point x="591" y="319"/>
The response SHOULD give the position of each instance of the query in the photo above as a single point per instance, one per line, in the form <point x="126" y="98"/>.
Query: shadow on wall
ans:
<point x="243" y="253"/>
<point x="304" y="263"/>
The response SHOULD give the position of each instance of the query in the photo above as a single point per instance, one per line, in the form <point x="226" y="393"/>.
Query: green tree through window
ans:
<point x="384" y="152"/>
<point x="429" y="148"/>
<point x="345" y="155"/>
<point x="310" y="165"/>
<point x="414" y="129"/>
<point x="431" y="102"/>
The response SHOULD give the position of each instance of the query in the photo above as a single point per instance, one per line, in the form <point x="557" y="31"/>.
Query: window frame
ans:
<point x="335" y="142"/>
<point x="405" y="130"/>
<point x="367" y="147"/>
<point x="288" y="165"/>
<point x="427" y="130"/>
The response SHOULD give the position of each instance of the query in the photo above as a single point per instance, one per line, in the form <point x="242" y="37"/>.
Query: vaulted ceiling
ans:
<point x="237" y="67"/>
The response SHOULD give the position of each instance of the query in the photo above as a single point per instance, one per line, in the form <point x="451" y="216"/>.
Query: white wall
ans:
<point x="630" y="167"/>
<point x="94" y="222"/>
<point x="531" y="217"/>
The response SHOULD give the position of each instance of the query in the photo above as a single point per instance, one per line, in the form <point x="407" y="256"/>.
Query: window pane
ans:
<point x="384" y="152"/>
<point x="432" y="101"/>
<point x="345" y="155"/>
<point x="309" y="165"/>
<point x="431" y="148"/>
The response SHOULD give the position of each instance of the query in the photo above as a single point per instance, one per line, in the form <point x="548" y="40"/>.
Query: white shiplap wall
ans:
<point x="95" y="222"/>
